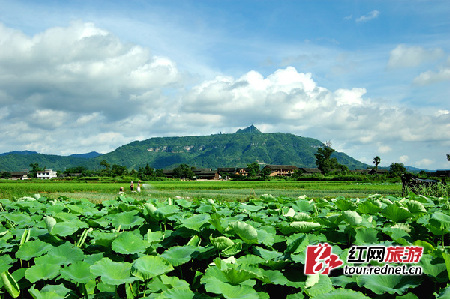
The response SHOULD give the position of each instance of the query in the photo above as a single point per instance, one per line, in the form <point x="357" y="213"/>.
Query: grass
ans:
<point x="224" y="190"/>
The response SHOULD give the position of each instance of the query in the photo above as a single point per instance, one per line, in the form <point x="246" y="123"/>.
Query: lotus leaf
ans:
<point x="196" y="222"/>
<point x="245" y="231"/>
<point x="129" y="243"/>
<point x="147" y="267"/>
<point x="42" y="272"/>
<point x="178" y="255"/>
<point x="126" y="220"/>
<point x="32" y="249"/>
<point x="112" y="273"/>
<point x="380" y="284"/>
<point x="78" y="272"/>
<point x="304" y="226"/>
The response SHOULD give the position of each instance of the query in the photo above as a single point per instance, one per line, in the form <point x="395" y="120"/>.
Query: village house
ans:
<point x="46" y="174"/>
<point x="281" y="170"/>
<point x="19" y="175"/>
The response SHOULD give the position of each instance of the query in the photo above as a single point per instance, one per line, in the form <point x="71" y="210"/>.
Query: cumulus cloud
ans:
<point x="430" y="77"/>
<point x="78" y="68"/>
<point x="79" y="88"/>
<point x="411" y="56"/>
<point x="370" y="16"/>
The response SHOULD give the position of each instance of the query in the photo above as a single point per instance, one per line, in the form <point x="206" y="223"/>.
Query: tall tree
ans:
<point x="376" y="161"/>
<point x="397" y="169"/>
<point x="253" y="169"/>
<point x="448" y="157"/>
<point x="34" y="169"/>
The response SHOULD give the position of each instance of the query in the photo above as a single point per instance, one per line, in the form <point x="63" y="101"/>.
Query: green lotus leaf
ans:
<point x="5" y="263"/>
<point x="249" y="208"/>
<point x="129" y="243"/>
<point x="266" y="235"/>
<point x="63" y="229"/>
<point x="178" y="255"/>
<point x="319" y="285"/>
<point x="245" y="231"/>
<point x="368" y="207"/>
<point x="196" y="222"/>
<point x="351" y="217"/>
<point x="154" y="237"/>
<point x="176" y="294"/>
<point x="78" y="272"/>
<point x="103" y="238"/>
<point x="304" y="226"/>
<point x="41" y="272"/>
<point x="439" y="223"/>
<point x="44" y="295"/>
<point x="32" y="249"/>
<point x="126" y="220"/>
<point x="396" y="213"/>
<point x="415" y="206"/>
<point x="366" y="236"/>
<point x="221" y="242"/>
<point x="147" y="267"/>
<point x="168" y="210"/>
<point x="112" y="273"/>
<point x="381" y="284"/>
<point x="19" y="219"/>
<point x="214" y="285"/>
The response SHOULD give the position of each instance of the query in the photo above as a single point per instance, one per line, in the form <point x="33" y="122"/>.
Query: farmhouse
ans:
<point x="19" y="175"/>
<point x="281" y="170"/>
<point x="206" y="174"/>
<point x="46" y="174"/>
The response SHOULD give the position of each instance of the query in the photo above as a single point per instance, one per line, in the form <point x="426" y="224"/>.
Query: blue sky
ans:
<point x="371" y="76"/>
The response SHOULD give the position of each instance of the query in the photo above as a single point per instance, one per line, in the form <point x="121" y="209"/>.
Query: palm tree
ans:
<point x="376" y="161"/>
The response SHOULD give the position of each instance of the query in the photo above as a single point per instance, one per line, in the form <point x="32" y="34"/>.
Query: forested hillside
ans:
<point x="220" y="150"/>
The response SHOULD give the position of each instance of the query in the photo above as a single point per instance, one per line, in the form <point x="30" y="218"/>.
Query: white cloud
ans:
<point x="411" y="56"/>
<point x="79" y="68"/>
<point x="370" y="16"/>
<point x="424" y="163"/>
<point x="384" y="148"/>
<point x="404" y="159"/>
<point x="430" y="77"/>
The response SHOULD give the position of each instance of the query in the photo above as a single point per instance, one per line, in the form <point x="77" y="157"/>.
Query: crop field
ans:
<point x="208" y="248"/>
<point x="223" y="190"/>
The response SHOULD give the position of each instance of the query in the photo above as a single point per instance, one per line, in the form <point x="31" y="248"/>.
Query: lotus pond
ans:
<point x="205" y="248"/>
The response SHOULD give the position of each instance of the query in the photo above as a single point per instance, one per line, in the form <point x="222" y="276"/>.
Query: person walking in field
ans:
<point x="138" y="189"/>
<point x="131" y="186"/>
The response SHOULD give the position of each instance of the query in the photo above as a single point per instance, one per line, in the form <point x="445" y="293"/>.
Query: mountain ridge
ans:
<point x="218" y="150"/>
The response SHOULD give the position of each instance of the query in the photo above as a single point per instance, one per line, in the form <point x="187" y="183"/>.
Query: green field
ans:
<point x="226" y="190"/>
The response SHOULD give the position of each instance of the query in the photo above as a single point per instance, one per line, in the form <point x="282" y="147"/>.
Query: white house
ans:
<point x="46" y="174"/>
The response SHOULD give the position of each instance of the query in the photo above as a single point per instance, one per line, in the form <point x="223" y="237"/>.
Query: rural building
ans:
<point x="46" y="174"/>
<point x="281" y="170"/>
<point x="206" y="174"/>
<point x="19" y="175"/>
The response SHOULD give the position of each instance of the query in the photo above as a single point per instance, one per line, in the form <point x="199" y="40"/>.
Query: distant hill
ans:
<point x="20" y="153"/>
<point x="219" y="150"/>
<point x="92" y="154"/>
<point x="223" y="150"/>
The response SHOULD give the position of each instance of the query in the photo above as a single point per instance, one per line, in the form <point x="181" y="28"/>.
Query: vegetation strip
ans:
<point x="129" y="248"/>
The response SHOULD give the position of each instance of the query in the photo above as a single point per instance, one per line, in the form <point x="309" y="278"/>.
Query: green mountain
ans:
<point x="220" y="150"/>
<point x="224" y="150"/>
